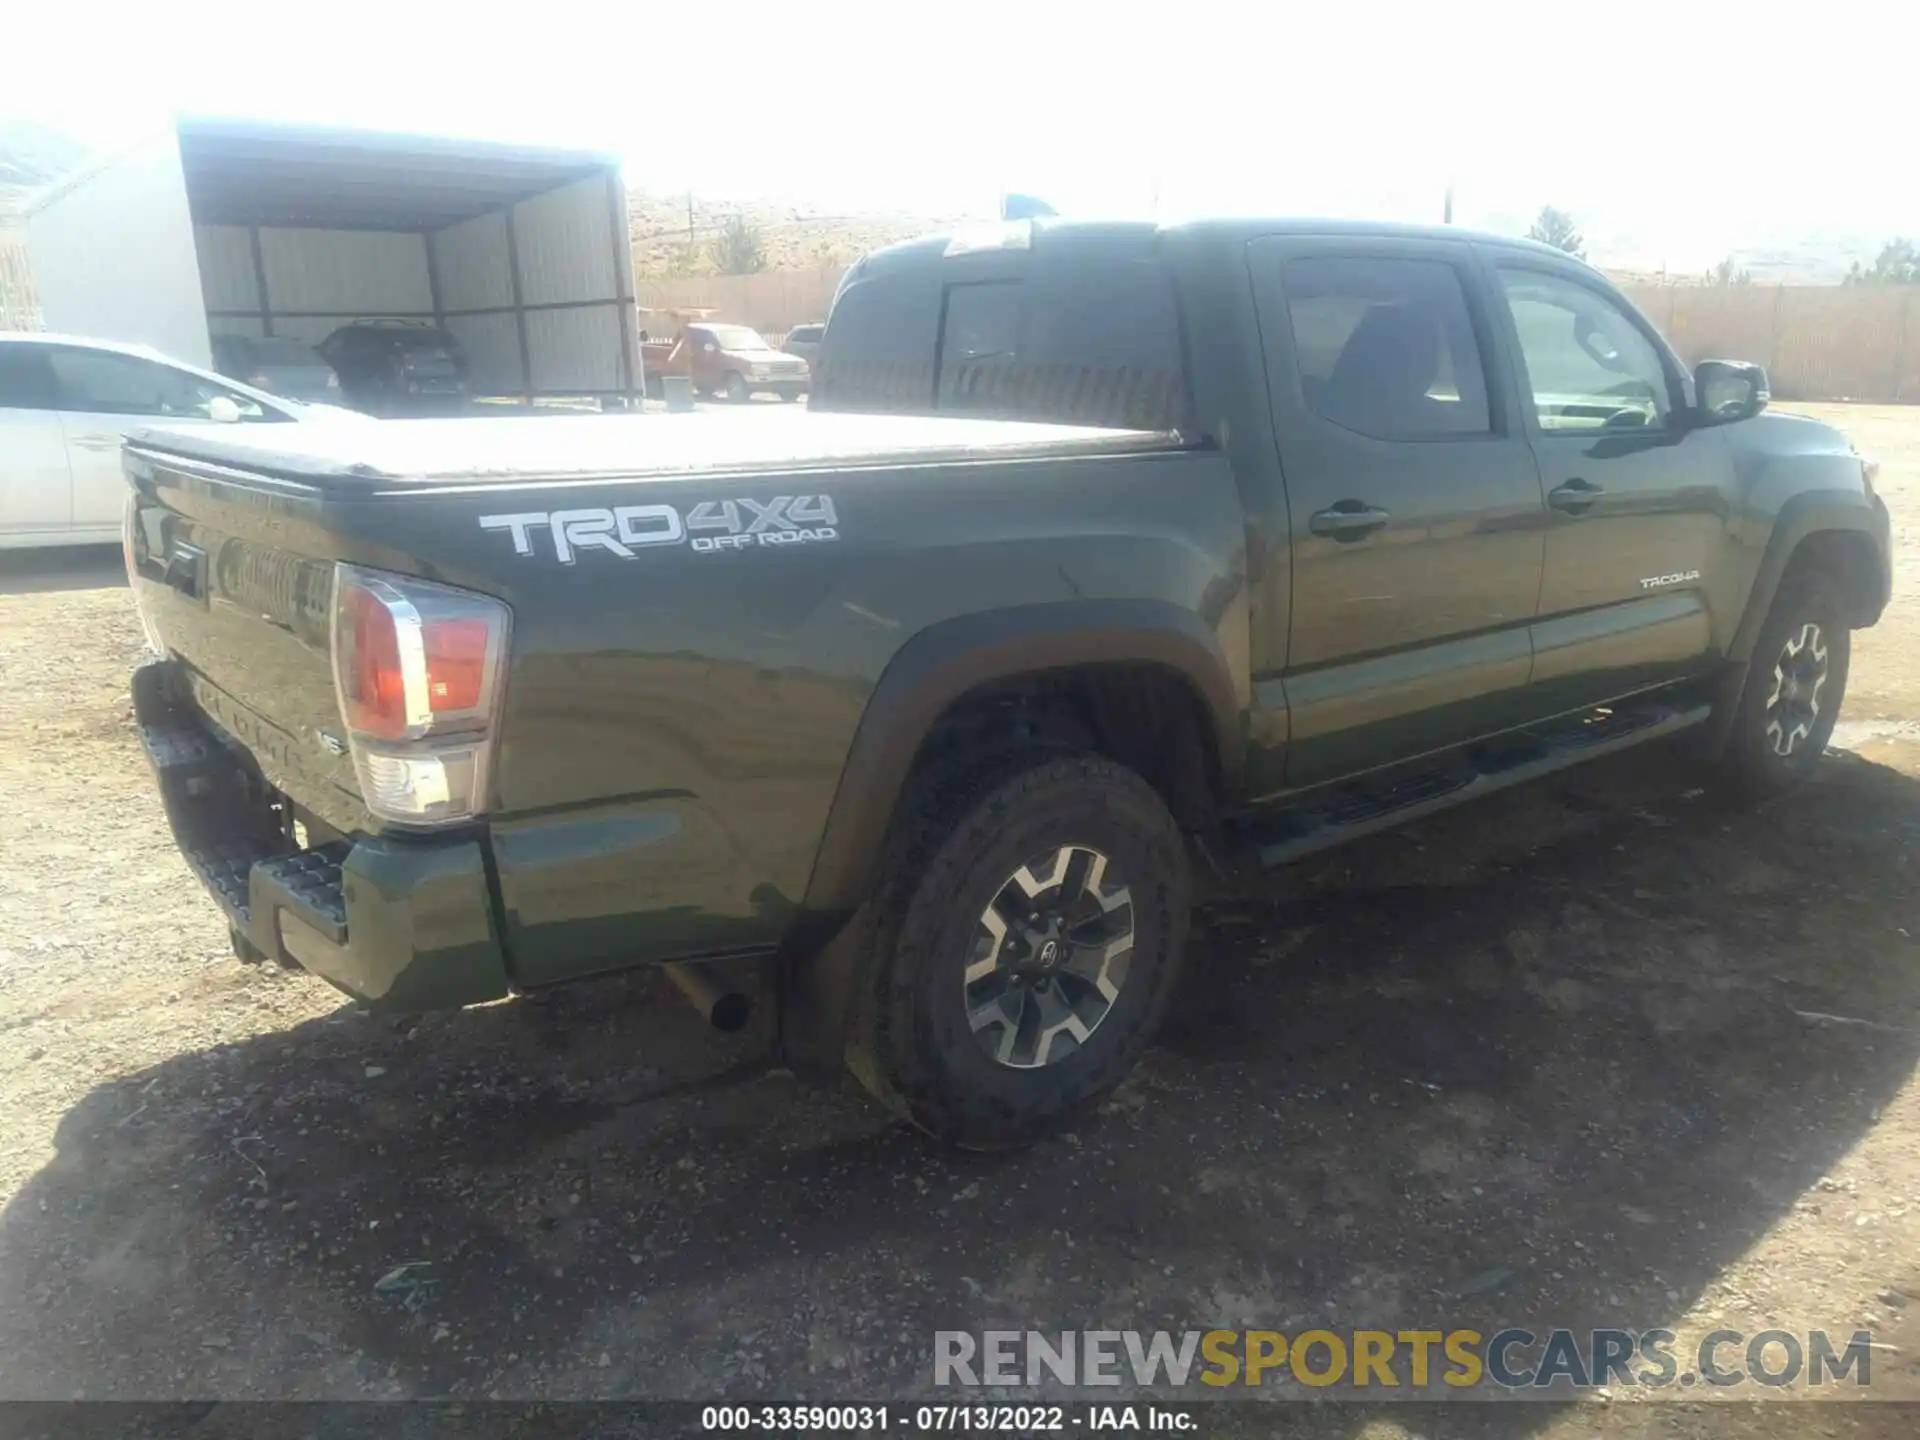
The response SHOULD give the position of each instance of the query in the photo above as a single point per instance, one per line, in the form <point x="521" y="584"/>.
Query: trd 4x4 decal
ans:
<point x="710" y="526"/>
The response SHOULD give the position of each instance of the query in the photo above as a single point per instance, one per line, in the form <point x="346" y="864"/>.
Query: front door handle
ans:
<point x="1576" y="497"/>
<point x="1348" y="520"/>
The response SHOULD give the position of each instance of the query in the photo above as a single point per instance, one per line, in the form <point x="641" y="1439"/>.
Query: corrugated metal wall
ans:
<point x="226" y="268"/>
<point x="574" y="280"/>
<point x="470" y="260"/>
<point x="575" y="349"/>
<point x="566" y="245"/>
<point x="317" y="280"/>
<point x="346" y="272"/>
<point x="492" y="343"/>
<point x="574" y="290"/>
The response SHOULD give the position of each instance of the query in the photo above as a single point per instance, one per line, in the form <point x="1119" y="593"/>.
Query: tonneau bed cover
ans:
<point x="506" y="449"/>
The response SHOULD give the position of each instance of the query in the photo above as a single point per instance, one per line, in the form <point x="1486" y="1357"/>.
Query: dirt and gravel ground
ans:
<point x="1543" y="1061"/>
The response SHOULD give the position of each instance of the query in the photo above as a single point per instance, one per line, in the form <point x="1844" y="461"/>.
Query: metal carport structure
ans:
<point x="522" y="253"/>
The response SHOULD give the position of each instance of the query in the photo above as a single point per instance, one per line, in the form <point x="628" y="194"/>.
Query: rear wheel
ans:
<point x="1795" y="683"/>
<point x="1025" y="940"/>
<point x="734" y="387"/>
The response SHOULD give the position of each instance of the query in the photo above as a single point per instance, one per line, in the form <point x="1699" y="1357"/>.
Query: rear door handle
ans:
<point x="1576" y="497"/>
<point x="1348" y="520"/>
<point x="97" y="442"/>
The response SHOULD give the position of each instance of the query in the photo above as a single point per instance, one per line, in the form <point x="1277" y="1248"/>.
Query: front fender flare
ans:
<point x="1804" y="515"/>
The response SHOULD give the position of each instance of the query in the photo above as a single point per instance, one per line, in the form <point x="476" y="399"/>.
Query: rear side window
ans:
<point x="26" y="380"/>
<point x="980" y="347"/>
<point x="1092" y="345"/>
<point x="876" y="354"/>
<point x="1385" y="347"/>
<point x="1075" y="339"/>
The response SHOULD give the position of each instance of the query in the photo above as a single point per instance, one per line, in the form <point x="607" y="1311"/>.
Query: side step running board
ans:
<point x="1331" y="818"/>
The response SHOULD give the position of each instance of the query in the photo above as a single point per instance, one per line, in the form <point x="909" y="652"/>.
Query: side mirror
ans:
<point x="1729" y="390"/>
<point x="225" y="411"/>
<point x="710" y="348"/>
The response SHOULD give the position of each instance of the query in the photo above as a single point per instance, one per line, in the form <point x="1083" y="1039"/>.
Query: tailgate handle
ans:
<point x="187" y="571"/>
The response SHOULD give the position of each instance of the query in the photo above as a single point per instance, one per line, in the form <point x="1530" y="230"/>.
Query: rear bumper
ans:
<point x="401" y="923"/>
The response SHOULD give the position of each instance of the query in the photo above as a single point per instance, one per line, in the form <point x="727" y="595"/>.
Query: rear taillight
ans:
<point x="417" y="669"/>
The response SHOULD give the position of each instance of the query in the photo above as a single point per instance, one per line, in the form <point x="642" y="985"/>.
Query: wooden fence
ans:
<point x="1818" y="342"/>
<point x="773" y="302"/>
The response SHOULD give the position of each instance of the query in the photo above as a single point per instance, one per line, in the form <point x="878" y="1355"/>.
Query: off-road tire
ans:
<point x="960" y="834"/>
<point x="1751" y="766"/>
<point x="734" y="387"/>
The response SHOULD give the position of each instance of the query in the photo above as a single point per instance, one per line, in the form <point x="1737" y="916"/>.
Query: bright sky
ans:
<point x="1673" y="132"/>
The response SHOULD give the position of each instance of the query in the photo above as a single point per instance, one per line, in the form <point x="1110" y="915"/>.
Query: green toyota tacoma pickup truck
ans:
<point x="933" y="719"/>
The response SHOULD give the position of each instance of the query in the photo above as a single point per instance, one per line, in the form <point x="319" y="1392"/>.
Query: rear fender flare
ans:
<point x="953" y="658"/>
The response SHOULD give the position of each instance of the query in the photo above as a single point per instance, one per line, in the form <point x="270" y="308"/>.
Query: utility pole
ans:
<point x="689" y="217"/>
<point x="1446" y="215"/>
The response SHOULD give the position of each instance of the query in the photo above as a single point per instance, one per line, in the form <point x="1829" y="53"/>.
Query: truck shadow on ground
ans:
<point x="67" y="567"/>
<point x="1536" y="1062"/>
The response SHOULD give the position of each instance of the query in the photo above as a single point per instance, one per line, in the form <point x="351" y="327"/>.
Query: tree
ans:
<point x="740" y="249"/>
<point x="1556" y="228"/>
<point x="1728" y="272"/>
<point x="684" y="258"/>
<point x="1898" y="263"/>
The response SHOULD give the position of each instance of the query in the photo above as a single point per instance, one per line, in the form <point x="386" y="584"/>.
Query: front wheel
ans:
<point x="735" y="387"/>
<point x="1795" y="683"/>
<point x="1025" y="940"/>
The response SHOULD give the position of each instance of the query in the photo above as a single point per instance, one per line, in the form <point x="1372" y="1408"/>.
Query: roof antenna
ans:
<point x="1024" y="207"/>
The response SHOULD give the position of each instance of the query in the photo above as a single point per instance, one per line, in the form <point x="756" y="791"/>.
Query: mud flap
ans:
<point x="818" y="974"/>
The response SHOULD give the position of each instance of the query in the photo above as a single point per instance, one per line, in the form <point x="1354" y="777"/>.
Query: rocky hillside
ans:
<point x="791" y="237"/>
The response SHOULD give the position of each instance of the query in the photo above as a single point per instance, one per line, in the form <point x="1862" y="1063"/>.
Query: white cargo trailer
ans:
<point x="240" y="227"/>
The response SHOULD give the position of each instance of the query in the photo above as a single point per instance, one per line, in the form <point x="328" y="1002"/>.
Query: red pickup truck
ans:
<point x="727" y="360"/>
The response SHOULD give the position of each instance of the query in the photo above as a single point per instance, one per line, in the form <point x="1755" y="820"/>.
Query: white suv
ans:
<point x="65" y="405"/>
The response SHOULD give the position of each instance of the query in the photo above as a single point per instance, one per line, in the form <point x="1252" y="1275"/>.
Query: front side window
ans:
<point x="1588" y="366"/>
<point x="1385" y="347"/>
<point x="97" y="382"/>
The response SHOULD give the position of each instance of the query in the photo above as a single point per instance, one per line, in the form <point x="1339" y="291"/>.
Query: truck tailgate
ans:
<point x="235" y="583"/>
